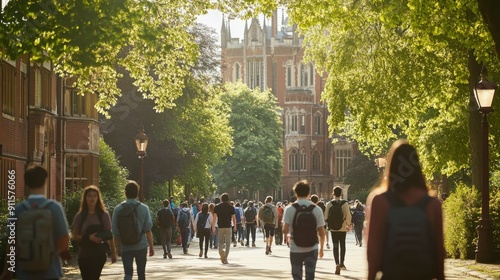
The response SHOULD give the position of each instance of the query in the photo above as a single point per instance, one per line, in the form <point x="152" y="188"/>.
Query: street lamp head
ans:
<point x="380" y="162"/>
<point x="484" y="92"/>
<point x="141" y="143"/>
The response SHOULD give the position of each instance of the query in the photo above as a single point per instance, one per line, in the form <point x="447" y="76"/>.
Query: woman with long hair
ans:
<point x="405" y="225"/>
<point x="203" y="226"/>
<point x="92" y="228"/>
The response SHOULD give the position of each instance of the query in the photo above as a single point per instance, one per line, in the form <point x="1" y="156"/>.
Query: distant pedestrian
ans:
<point x="224" y="216"/>
<point x="303" y="223"/>
<point x="92" y="228"/>
<point x="405" y="224"/>
<point x="278" y="235"/>
<point x="250" y="222"/>
<point x="321" y="204"/>
<point x="214" y="236"/>
<point x="358" y="220"/>
<point x="239" y="223"/>
<point x="338" y="216"/>
<point x="166" y="222"/>
<point x="132" y="225"/>
<point x="52" y="241"/>
<point x="184" y="224"/>
<point x="202" y="226"/>
<point x="268" y="215"/>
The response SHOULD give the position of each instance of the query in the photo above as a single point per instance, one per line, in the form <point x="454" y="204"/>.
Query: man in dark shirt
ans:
<point x="223" y="215"/>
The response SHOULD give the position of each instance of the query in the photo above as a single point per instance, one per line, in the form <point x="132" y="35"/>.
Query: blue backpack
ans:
<point x="409" y="250"/>
<point x="183" y="219"/>
<point x="237" y="212"/>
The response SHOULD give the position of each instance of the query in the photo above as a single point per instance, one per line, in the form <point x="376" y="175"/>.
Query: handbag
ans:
<point x="105" y="235"/>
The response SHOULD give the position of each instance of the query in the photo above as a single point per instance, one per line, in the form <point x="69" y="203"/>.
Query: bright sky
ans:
<point x="214" y="20"/>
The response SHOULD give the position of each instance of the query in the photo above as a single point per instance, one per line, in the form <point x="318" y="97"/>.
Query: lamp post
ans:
<point x="141" y="144"/>
<point x="484" y="92"/>
<point x="380" y="163"/>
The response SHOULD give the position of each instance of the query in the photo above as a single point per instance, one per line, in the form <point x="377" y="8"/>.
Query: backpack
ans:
<point x="34" y="237"/>
<point x="165" y="218"/>
<point x="202" y="221"/>
<point x="250" y="215"/>
<point x="359" y="217"/>
<point x="409" y="248"/>
<point x="305" y="230"/>
<point x="267" y="215"/>
<point x="128" y="224"/>
<point x="237" y="211"/>
<point x="183" y="219"/>
<point x="336" y="215"/>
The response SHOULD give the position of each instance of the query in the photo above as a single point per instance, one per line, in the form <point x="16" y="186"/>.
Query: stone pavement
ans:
<point x="252" y="263"/>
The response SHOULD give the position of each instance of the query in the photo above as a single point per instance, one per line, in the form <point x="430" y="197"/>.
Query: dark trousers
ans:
<point x="204" y="236"/>
<point x="304" y="259"/>
<point x="166" y="239"/>
<point x="91" y="266"/>
<point x="250" y="228"/>
<point x="239" y="229"/>
<point x="358" y="232"/>
<point x="338" y="238"/>
<point x="185" y="232"/>
<point x="140" y="261"/>
<point x="278" y="235"/>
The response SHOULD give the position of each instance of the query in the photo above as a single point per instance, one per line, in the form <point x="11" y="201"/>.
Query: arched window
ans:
<point x="292" y="160"/>
<point x="316" y="161"/>
<point x="303" y="160"/>
<point x="236" y="72"/>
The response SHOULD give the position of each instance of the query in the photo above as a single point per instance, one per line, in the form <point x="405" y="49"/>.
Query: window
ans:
<point x="236" y="72"/>
<point x="75" y="173"/>
<point x="292" y="160"/>
<point x="343" y="159"/>
<point x="317" y="124"/>
<point x="74" y="104"/>
<point x="255" y="73"/>
<point x="6" y="166"/>
<point x="293" y="122"/>
<point x="303" y="160"/>
<point x="8" y="88"/>
<point x="289" y="75"/>
<point x="43" y="87"/>
<point x="316" y="161"/>
<point x="23" y="85"/>
<point x="311" y="73"/>
<point x="302" y="124"/>
<point x="304" y="75"/>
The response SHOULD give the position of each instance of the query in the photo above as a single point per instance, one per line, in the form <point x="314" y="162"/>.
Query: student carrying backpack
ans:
<point x="165" y="218"/>
<point x="410" y="243"/>
<point x="128" y="224"/>
<point x="34" y="236"/>
<point x="267" y="214"/>
<point x="250" y="214"/>
<point x="336" y="215"/>
<point x="304" y="226"/>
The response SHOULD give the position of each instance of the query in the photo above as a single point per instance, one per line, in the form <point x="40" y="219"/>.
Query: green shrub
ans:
<point x="461" y="214"/>
<point x="495" y="219"/>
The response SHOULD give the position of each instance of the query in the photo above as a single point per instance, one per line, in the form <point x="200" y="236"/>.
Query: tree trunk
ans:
<point x="475" y="143"/>
<point x="490" y="11"/>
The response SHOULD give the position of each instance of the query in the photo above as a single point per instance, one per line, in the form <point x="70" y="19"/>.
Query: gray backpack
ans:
<point x="34" y="237"/>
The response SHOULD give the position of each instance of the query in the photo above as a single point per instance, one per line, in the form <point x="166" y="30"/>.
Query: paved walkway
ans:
<point x="252" y="263"/>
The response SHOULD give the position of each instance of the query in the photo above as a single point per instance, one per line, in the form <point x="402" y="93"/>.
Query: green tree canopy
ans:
<point x="255" y="162"/>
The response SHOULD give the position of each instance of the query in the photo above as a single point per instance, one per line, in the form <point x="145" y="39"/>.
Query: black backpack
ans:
<point x="336" y="215"/>
<point x="165" y="218"/>
<point x="305" y="230"/>
<point x="202" y="220"/>
<point x="250" y="214"/>
<point x="409" y="249"/>
<point x="128" y="224"/>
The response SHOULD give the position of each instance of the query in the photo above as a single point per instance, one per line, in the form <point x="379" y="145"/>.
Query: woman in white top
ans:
<point x="202" y="224"/>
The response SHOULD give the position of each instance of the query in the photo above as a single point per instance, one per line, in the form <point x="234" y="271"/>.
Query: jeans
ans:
<point x="214" y="238"/>
<point x="338" y="237"/>
<point x="204" y="235"/>
<point x="239" y="229"/>
<point x="166" y="239"/>
<point x="250" y="228"/>
<point x="224" y="239"/>
<point x="185" y="232"/>
<point x="140" y="261"/>
<point x="358" y="232"/>
<point x="308" y="260"/>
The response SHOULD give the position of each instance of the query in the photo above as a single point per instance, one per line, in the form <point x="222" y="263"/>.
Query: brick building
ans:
<point x="271" y="56"/>
<point x="45" y="122"/>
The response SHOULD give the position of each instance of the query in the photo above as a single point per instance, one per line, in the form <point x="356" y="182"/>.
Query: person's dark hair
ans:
<point x="293" y="199"/>
<point x="404" y="170"/>
<point x="217" y="200"/>
<point x="250" y="204"/>
<point x="132" y="189"/>
<point x="237" y="204"/>
<point x="269" y="199"/>
<point x="166" y="203"/>
<point x="321" y="204"/>
<point x="314" y="199"/>
<point x="99" y="205"/>
<point x="184" y="204"/>
<point x="359" y="207"/>
<point x="204" y="208"/>
<point x="337" y="191"/>
<point x="224" y="197"/>
<point x="35" y="177"/>
<point x="302" y="188"/>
